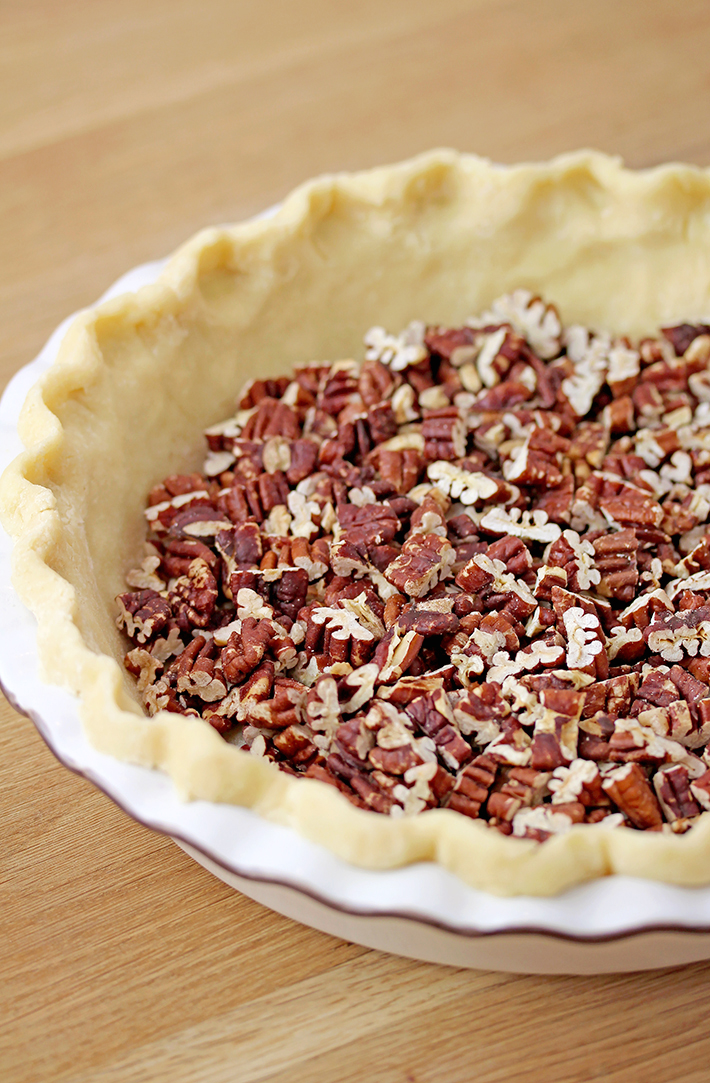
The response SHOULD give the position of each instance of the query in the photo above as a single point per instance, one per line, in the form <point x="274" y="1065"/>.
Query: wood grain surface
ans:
<point x="124" y="127"/>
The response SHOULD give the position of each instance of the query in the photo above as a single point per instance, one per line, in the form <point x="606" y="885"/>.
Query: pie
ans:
<point x="434" y="240"/>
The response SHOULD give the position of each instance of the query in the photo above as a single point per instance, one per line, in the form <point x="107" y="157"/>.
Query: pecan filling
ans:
<point x="471" y="571"/>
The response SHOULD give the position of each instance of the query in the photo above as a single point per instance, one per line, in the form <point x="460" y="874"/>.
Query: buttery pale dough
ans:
<point x="139" y="377"/>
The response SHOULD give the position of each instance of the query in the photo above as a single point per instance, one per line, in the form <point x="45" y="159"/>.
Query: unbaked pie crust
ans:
<point x="140" y="377"/>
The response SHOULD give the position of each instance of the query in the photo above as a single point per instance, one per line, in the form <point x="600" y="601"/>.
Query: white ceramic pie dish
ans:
<point x="614" y="924"/>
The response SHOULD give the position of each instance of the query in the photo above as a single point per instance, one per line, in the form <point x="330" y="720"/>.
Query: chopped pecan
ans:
<point x="428" y="517"/>
<point x="435" y="717"/>
<point x="546" y="578"/>
<point x="361" y="529"/>
<point x="682" y="335"/>
<point x="450" y="342"/>
<point x="536" y="461"/>
<point x="585" y="642"/>
<point x="271" y="418"/>
<point x="614" y="695"/>
<point x="531" y="317"/>
<point x="314" y="557"/>
<point x="672" y="786"/>
<point x="520" y="787"/>
<point x="144" y="667"/>
<point x="628" y="788"/>
<point x="396" y="652"/>
<point x="146" y="577"/>
<point x="532" y="526"/>
<point x="400" y="467"/>
<point x="444" y="433"/>
<point x="594" y="736"/>
<point x="700" y="790"/>
<point x="375" y="382"/>
<point x="468" y="486"/>
<point x="555" y="731"/>
<point x="425" y="559"/>
<point x="295" y="745"/>
<point x="429" y="619"/>
<point x="398" y="352"/>
<point x="538" y="604"/>
<point x="616" y="563"/>
<point x="587" y="448"/>
<point x="512" y="746"/>
<point x="577" y="557"/>
<point x="302" y="459"/>
<point x="344" y="638"/>
<point x="557" y="502"/>
<point x="408" y="688"/>
<point x="472" y="786"/>
<point x="245" y="649"/>
<point x="673" y="635"/>
<point x="254" y="391"/>
<point x="580" y="781"/>
<point x="194" y="596"/>
<point x="275" y="707"/>
<point x="199" y="671"/>
<point x="490" y="580"/>
<point x="143" y="614"/>
<point x="513" y="553"/>
<point x="543" y="821"/>
<point x="625" y="503"/>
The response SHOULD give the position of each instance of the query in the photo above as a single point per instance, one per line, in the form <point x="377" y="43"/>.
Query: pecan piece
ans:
<point x="472" y="786"/>
<point x="194" y="596"/>
<point x="344" y="638"/>
<point x="629" y="789"/>
<point x="143" y="614"/>
<point x="434" y="716"/>
<point x="615" y="557"/>
<point x="556" y="729"/>
<point x="585" y="642"/>
<point x="672" y="786"/>
<point x="520" y="787"/>
<point x="199" y="672"/>
<point x="289" y="591"/>
<point x="245" y="649"/>
<point x="536" y="461"/>
<point x="272" y="702"/>
<point x="468" y="486"/>
<point x="178" y="554"/>
<point x="295" y="745"/>
<point x="580" y="781"/>
<point x="400" y="467"/>
<point x="496" y="587"/>
<point x="395" y="653"/>
<point x="428" y="619"/>
<point x="577" y="557"/>
<point x="272" y="418"/>
<point x="700" y="790"/>
<point x="444" y="433"/>
<point x="424" y="560"/>
<point x="682" y="335"/>
<point x="672" y="635"/>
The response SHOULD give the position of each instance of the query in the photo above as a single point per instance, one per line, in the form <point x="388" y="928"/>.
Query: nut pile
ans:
<point x="471" y="571"/>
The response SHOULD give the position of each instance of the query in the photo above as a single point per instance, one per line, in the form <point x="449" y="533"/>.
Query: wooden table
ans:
<point x="124" y="127"/>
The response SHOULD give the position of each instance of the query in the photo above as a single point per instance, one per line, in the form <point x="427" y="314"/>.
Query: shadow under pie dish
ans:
<point x="437" y="239"/>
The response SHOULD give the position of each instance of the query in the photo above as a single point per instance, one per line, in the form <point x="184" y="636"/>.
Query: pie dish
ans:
<point x="139" y="377"/>
<point x="615" y="923"/>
